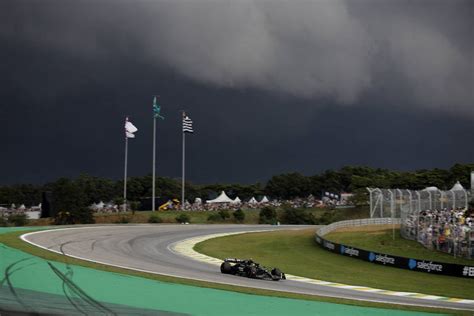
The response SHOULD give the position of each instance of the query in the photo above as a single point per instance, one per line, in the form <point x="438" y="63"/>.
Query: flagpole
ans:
<point x="154" y="164"/>
<point x="183" y="171"/>
<point x="125" y="174"/>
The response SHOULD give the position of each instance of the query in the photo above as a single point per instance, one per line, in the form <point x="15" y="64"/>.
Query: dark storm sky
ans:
<point x="271" y="87"/>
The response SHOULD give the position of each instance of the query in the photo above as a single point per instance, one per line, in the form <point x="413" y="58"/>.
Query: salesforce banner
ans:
<point x="398" y="262"/>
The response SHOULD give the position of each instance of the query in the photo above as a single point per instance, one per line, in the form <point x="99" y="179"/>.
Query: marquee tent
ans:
<point x="264" y="199"/>
<point x="237" y="200"/>
<point x="223" y="198"/>
<point x="253" y="200"/>
<point x="457" y="187"/>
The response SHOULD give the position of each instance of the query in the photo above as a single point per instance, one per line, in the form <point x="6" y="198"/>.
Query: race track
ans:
<point x="148" y="248"/>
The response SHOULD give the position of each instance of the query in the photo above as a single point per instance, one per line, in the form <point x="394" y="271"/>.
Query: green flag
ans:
<point x="157" y="110"/>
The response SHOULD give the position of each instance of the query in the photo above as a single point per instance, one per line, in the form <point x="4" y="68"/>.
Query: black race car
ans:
<point x="249" y="268"/>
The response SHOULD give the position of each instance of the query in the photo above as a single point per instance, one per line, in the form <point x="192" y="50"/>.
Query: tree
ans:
<point x="461" y="173"/>
<point x="360" y="197"/>
<point x="70" y="203"/>
<point x="288" y="186"/>
<point x="67" y="196"/>
<point x="27" y="194"/>
<point x="97" y="189"/>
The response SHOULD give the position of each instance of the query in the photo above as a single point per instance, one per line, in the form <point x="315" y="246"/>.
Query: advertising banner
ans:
<point x="398" y="262"/>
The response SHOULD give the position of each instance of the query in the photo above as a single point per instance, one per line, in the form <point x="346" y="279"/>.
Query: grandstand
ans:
<point x="437" y="219"/>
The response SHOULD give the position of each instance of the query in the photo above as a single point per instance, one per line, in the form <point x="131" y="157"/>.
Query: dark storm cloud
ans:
<point x="271" y="86"/>
<point x="336" y="49"/>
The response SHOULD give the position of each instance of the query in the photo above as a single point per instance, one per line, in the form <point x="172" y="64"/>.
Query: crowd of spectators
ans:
<point x="308" y="202"/>
<point x="197" y="205"/>
<point x="446" y="230"/>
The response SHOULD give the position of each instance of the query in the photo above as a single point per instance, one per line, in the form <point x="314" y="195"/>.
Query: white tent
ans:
<point x="253" y="200"/>
<point x="223" y="198"/>
<point x="457" y="187"/>
<point x="100" y="205"/>
<point x="22" y="207"/>
<point x="236" y="200"/>
<point x="430" y="189"/>
<point x="264" y="199"/>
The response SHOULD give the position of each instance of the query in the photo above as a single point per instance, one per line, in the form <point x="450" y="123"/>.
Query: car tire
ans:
<point x="226" y="268"/>
<point x="251" y="272"/>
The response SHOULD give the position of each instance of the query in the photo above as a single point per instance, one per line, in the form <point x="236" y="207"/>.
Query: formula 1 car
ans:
<point x="249" y="268"/>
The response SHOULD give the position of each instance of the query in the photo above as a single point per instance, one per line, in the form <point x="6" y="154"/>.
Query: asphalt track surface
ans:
<point x="148" y="248"/>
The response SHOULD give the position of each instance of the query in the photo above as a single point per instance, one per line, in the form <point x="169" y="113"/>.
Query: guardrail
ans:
<point x="357" y="222"/>
<point x="412" y="264"/>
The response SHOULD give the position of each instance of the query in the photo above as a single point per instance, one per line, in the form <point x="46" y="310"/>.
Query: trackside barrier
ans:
<point x="386" y="259"/>
<point x="357" y="222"/>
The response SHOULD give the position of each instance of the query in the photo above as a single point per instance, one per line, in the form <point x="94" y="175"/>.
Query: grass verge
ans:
<point x="296" y="252"/>
<point x="380" y="239"/>
<point x="13" y="240"/>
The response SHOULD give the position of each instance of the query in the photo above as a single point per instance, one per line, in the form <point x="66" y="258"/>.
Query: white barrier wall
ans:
<point x="357" y="222"/>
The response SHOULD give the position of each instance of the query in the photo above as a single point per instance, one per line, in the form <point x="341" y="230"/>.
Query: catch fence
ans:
<point x="437" y="219"/>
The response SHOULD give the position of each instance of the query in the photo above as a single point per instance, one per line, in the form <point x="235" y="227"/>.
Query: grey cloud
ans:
<point x="309" y="49"/>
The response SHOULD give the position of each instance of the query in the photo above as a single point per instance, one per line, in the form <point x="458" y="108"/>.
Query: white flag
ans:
<point x="130" y="129"/>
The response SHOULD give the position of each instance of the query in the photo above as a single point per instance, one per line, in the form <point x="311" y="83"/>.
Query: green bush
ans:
<point x="154" y="219"/>
<point x="182" y="218"/>
<point x="267" y="215"/>
<point x="298" y="217"/>
<point x="78" y="216"/>
<point x="224" y="214"/>
<point x="239" y="215"/>
<point x="18" y="219"/>
<point x="63" y="218"/>
<point x="214" y="218"/>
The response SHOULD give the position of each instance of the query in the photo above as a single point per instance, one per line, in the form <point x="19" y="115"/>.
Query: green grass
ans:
<point x="296" y="252"/>
<point x="382" y="241"/>
<point x="13" y="240"/>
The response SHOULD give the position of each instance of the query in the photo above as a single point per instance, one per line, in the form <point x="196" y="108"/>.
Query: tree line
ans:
<point x="85" y="189"/>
